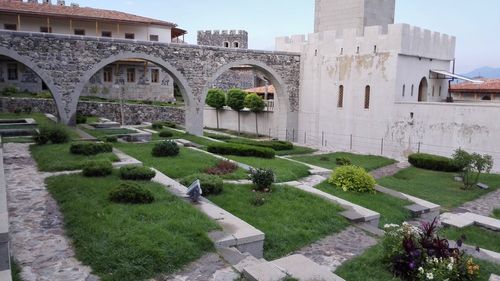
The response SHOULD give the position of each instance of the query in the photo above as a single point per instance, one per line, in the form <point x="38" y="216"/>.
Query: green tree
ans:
<point x="472" y="166"/>
<point x="216" y="98"/>
<point x="256" y="105"/>
<point x="236" y="101"/>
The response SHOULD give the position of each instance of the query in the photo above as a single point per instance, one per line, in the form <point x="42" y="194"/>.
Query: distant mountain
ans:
<point x="485" y="72"/>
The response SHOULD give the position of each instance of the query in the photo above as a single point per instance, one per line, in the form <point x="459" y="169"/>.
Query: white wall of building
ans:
<point x="228" y="119"/>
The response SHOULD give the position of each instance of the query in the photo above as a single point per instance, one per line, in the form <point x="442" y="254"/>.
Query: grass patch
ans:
<point x="181" y="135"/>
<point x="496" y="213"/>
<point x="188" y="161"/>
<point x="15" y="270"/>
<point x="328" y="161"/>
<point x="100" y="133"/>
<point x="437" y="187"/>
<point x="297" y="150"/>
<point x="26" y="139"/>
<point x="129" y="242"/>
<point x="474" y="236"/>
<point x="56" y="157"/>
<point x="285" y="170"/>
<point x="290" y="218"/>
<point x="391" y="209"/>
<point x="40" y="120"/>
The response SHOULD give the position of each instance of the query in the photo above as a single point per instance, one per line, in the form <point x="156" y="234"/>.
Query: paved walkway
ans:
<point x="209" y="268"/>
<point x="390" y="170"/>
<point x="484" y="205"/>
<point x="36" y="227"/>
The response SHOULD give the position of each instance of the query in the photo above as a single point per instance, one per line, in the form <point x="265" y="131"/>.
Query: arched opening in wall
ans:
<point x="422" y="90"/>
<point x="236" y="44"/>
<point x="226" y="44"/>
<point x="256" y="79"/>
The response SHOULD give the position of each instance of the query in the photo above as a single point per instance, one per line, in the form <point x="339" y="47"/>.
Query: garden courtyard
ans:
<point x="95" y="203"/>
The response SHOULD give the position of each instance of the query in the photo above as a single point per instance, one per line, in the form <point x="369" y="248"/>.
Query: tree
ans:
<point x="472" y="166"/>
<point x="256" y="105"/>
<point x="216" y="98"/>
<point x="236" y="101"/>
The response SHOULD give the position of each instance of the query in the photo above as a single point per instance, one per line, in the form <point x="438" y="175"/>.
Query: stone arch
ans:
<point x="46" y="78"/>
<point x="422" y="90"/>
<point x="172" y="71"/>
<point x="283" y="118"/>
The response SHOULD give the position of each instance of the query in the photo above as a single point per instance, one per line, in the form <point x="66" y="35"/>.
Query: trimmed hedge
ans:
<point x="210" y="185"/>
<point x="136" y="173"/>
<point x="131" y="193"/>
<point x="276" y="145"/>
<point x="97" y="168"/>
<point x="433" y="162"/>
<point x="166" y="134"/>
<point x="241" y="150"/>
<point x="165" y="148"/>
<point x="90" y="148"/>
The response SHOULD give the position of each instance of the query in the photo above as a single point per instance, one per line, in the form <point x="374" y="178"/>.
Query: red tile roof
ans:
<point x="262" y="90"/>
<point x="489" y="86"/>
<point x="84" y="13"/>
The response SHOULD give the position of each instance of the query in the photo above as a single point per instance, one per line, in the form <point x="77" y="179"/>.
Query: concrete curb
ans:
<point x="5" y="266"/>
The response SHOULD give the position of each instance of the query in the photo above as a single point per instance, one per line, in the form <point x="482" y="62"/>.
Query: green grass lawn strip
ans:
<point x="285" y="170"/>
<point x="474" y="236"/>
<point x="437" y="187"/>
<point x="290" y="218"/>
<point x="56" y="157"/>
<point x="129" y="242"/>
<point x="297" y="150"/>
<point x="391" y="209"/>
<point x="328" y="161"/>
<point x="40" y="120"/>
<point x="496" y="213"/>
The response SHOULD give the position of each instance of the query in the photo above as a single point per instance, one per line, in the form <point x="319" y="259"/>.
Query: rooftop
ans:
<point x="489" y="86"/>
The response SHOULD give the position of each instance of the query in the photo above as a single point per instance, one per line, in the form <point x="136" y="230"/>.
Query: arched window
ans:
<point x="340" y="102"/>
<point x="226" y="44"/>
<point x="404" y="90"/>
<point x="367" y="97"/>
<point x="236" y="44"/>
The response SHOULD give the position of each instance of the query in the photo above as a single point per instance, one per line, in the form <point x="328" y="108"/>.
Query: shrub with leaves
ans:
<point x="353" y="179"/>
<point x="157" y="125"/>
<point x="165" y="149"/>
<point x="433" y="162"/>
<point x="90" y="148"/>
<point x="263" y="179"/>
<point x="343" y="161"/>
<point x="258" y="200"/>
<point x="472" y="166"/>
<point x="216" y="98"/>
<point x="81" y="119"/>
<point x="54" y="133"/>
<point x="137" y="173"/>
<point x="273" y="144"/>
<point x="131" y="193"/>
<point x="210" y="184"/>
<point x="169" y="124"/>
<point x="222" y="168"/>
<point x="241" y="150"/>
<point x="110" y="139"/>
<point x="166" y="134"/>
<point x="97" y="168"/>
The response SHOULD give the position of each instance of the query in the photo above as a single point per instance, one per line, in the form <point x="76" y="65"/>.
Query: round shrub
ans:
<point x="157" y="126"/>
<point x="137" y="173"/>
<point x="343" y="161"/>
<point x="165" y="148"/>
<point x="241" y="150"/>
<point x="97" y="168"/>
<point x="110" y="139"/>
<point x="90" y="148"/>
<point x="166" y="134"/>
<point x="210" y="185"/>
<point x="262" y="179"/>
<point x="131" y="193"/>
<point x="55" y="133"/>
<point x="169" y="124"/>
<point x="353" y="178"/>
<point x="433" y="162"/>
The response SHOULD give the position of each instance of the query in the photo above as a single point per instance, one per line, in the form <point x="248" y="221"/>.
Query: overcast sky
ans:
<point x="476" y="23"/>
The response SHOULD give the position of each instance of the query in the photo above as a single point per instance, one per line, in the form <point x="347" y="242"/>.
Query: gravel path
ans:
<point x="484" y="205"/>
<point x="209" y="268"/>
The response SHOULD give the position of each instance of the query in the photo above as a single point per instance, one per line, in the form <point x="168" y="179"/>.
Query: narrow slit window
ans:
<point x="155" y="75"/>
<point x="340" y="102"/>
<point x="108" y="74"/>
<point x="131" y="75"/>
<point x="367" y="97"/>
<point x="106" y="34"/>
<point x="404" y="90"/>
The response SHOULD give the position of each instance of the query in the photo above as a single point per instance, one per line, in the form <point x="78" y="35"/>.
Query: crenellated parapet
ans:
<point x="224" y="38"/>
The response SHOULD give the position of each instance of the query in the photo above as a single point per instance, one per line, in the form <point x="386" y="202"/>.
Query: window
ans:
<point x="154" y="38"/>
<point x="404" y="90"/>
<point x="340" y="102"/>
<point x="155" y="75"/>
<point x="440" y="90"/>
<point x="9" y="26"/>
<point x="129" y="36"/>
<point x="106" y="34"/>
<point x="412" y="88"/>
<point x="80" y="32"/>
<point x="12" y="73"/>
<point x="433" y="90"/>
<point x="236" y="44"/>
<point x="131" y="75"/>
<point x="357" y="50"/>
<point x="45" y="29"/>
<point x="341" y="51"/>
<point x="226" y="44"/>
<point x="108" y="74"/>
<point x="367" y="97"/>
<point x="375" y="49"/>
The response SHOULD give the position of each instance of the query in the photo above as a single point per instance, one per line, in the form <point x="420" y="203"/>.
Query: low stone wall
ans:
<point x="133" y="113"/>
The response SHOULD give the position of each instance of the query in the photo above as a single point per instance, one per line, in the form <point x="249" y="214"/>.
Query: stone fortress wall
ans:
<point x="233" y="38"/>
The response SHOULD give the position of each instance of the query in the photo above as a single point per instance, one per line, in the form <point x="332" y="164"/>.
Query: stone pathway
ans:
<point x="390" y="170"/>
<point x="334" y="250"/>
<point x="36" y="227"/>
<point x="484" y="205"/>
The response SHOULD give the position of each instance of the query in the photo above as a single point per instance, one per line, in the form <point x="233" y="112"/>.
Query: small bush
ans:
<point x="222" y="168"/>
<point x="353" y="178"/>
<point x="110" y="139"/>
<point x="343" y="161"/>
<point x="165" y="148"/>
<point x="433" y="162"/>
<point x="258" y="200"/>
<point x="157" y="126"/>
<point x="81" y="119"/>
<point x="131" y="193"/>
<point x="169" y="124"/>
<point x="44" y="95"/>
<point x="273" y="144"/>
<point x="262" y="179"/>
<point x="210" y="184"/>
<point x="241" y="150"/>
<point x="55" y="133"/>
<point x="166" y="134"/>
<point x="137" y="173"/>
<point x="90" y="148"/>
<point x="97" y="168"/>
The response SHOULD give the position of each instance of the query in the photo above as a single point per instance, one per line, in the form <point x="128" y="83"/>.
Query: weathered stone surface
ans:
<point x="484" y="205"/>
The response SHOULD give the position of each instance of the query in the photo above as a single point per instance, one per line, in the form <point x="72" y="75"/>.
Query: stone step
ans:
<point x="232" y="255"/>
<point x="304" y="269"/>
<point x="265" y="271"/>
<point x="462" y="220"/>
<point x="371" y="229"/>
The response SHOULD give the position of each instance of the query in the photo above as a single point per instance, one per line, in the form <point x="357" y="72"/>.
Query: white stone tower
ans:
<point x="341" y="14"/>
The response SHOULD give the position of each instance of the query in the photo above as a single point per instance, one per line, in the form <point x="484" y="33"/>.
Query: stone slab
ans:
<point x="494" y="277"/>
<point x="304" y="269"/>
<point x="462" y="220"/>
<point x="429" y="205"/>
<point x="417" y="210"/>
<point x="6" y="275"/>
<point x="263" y="272"/>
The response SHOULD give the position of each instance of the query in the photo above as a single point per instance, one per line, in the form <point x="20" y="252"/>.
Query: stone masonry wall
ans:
<point x="218" y="38"/>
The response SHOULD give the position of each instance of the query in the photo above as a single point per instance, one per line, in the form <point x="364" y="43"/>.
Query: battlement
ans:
<point x="401" y="38"/>
<point x="224" y="38"/>
<point x="222" y="32"/>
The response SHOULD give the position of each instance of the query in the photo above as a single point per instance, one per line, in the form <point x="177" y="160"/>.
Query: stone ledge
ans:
<point x="462" y="220"/>
<point x="302" y="268"/>
<point x="422" y="208"/>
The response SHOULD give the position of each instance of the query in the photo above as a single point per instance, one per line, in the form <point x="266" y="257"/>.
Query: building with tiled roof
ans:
<point x="468" y="91"/>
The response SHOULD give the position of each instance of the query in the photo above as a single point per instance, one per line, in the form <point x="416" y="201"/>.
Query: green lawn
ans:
<point x="290" y="218"/>
<point x="369" y="267"/>
<point x="297" y="150"/>
<point x="15" y="270"/>
<point x="474" y="236"/>
<point x="129" y="242"/>
<point x="40" y="120"/>
<point x="327" y="161"/>
<point x="391" y="209"/>
<point x="285" y="170"/>
<point x="56" y="157"/>
<point x="188" y="161"/>
<point x="179" y="135"/>
<point x="496" y="213"/>
<point x="100" y="133"/>
<point x="437" y="187"/>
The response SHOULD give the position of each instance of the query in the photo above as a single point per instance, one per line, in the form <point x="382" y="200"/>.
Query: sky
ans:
<point x="475" y="23"/>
